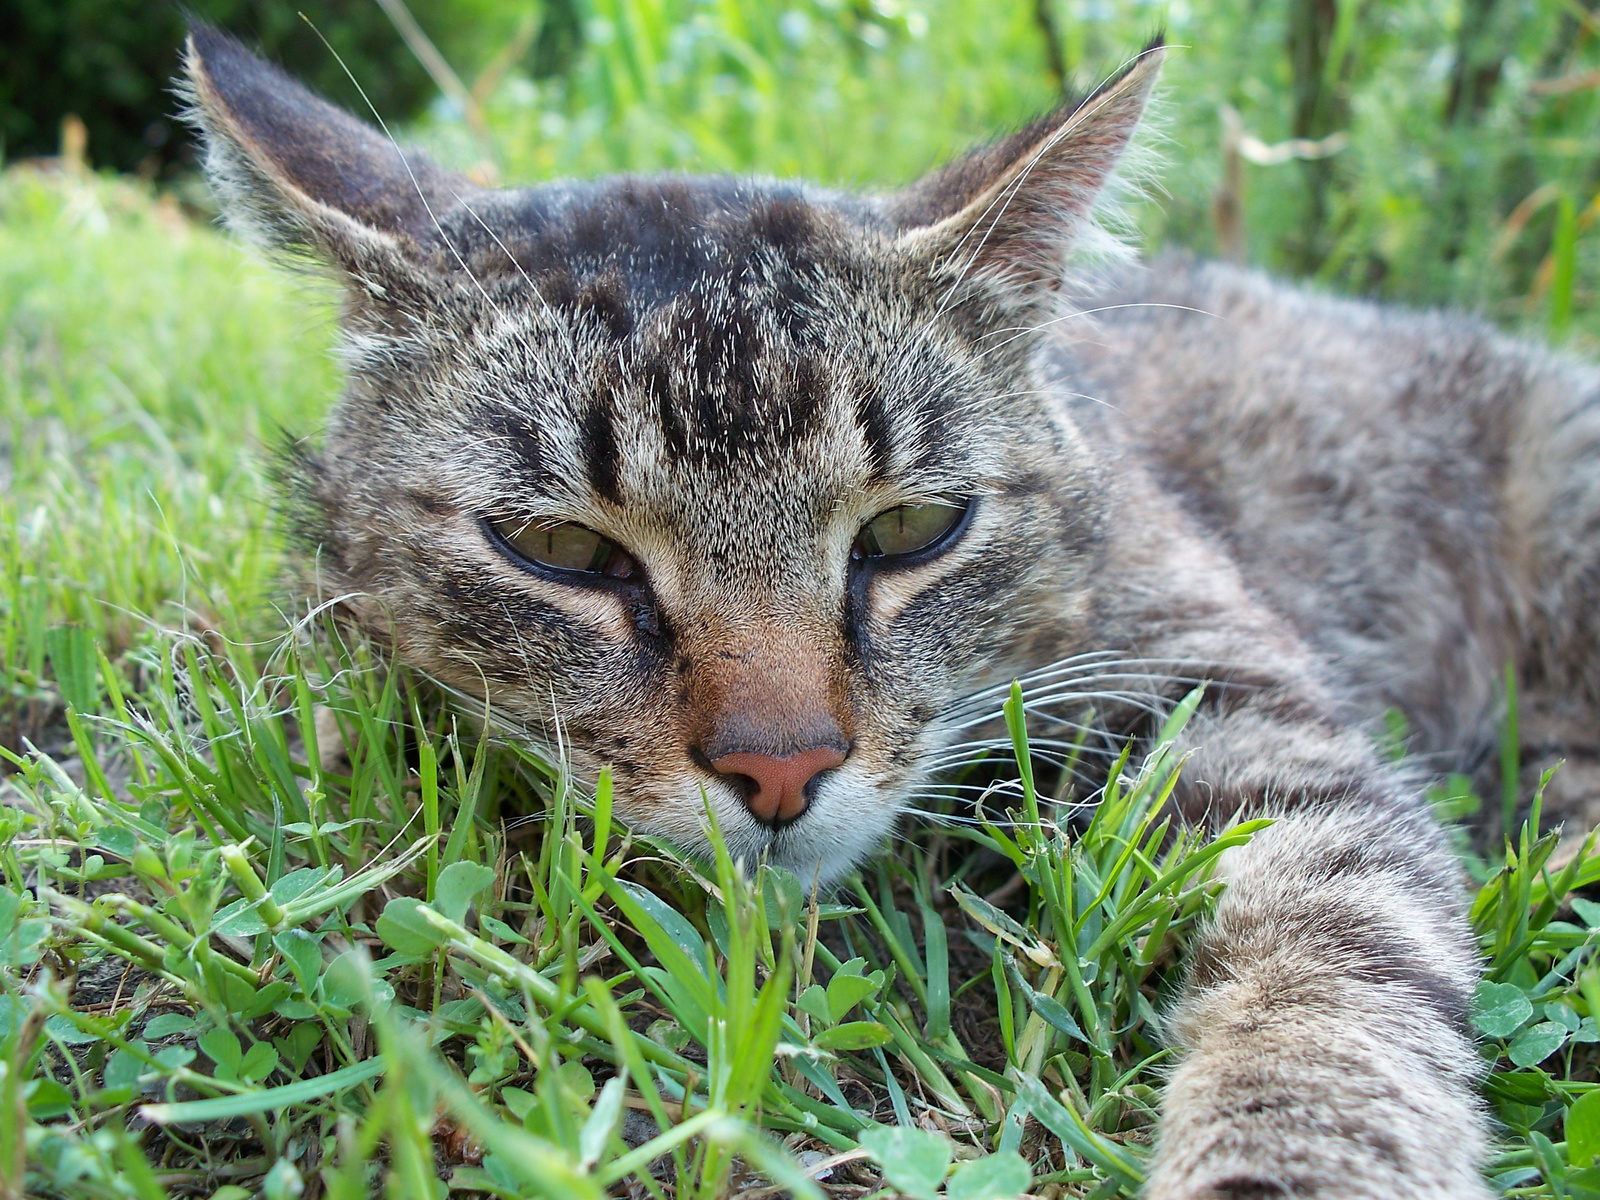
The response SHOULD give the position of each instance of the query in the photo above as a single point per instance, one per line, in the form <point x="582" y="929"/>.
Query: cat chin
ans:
<point x="822" y="856"/>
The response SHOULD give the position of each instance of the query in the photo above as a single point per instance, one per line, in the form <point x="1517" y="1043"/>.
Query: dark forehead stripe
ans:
<point x="601" y="298"/>
<point x="726" y="382"/>
<point x="872" y="418"/>
<point x="597" y="446"/>
<point x="655" y="238"/>
<point x="927" y="419"/>
<point x="786" y="223"/>
<point x="705" y="287"/>
<point x="518" y="438"/>
<point x="716" y="298"/>
<point x="669" y="415"/>
<point x="577" y="229"/>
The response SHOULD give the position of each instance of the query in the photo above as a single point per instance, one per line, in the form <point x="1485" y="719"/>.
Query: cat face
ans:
<point x="734" y="486"/>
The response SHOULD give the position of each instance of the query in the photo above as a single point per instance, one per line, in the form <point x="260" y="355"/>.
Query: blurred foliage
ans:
<point x="111" y="62"/>
<point x="1458" y="156"/>
<point x="1465" y="155"/>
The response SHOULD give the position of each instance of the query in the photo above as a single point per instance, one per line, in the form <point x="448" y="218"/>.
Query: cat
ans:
<point x="760" y="492"/>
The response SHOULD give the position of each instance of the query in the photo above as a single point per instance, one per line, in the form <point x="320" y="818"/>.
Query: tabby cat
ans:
<point x="762" y="491"/>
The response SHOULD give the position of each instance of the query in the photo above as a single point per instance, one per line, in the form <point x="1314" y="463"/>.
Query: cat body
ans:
<point x="1361" y="508"/>
<point x="762" y="493"/>
<point x="1415" y="493"/>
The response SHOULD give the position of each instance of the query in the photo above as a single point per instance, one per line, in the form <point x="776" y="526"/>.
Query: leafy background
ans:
<point x="275" y="922"/>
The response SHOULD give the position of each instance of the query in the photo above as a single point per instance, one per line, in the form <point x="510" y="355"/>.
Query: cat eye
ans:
<point x="910" y="528"/>
<point x="566" y="546"/>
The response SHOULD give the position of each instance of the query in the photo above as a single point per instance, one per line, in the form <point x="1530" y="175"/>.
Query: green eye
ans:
<point x="907" y="529"/>
<point x="566" y="546"/>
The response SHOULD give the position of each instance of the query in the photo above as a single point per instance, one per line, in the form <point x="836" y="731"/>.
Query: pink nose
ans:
<point x="780" y="794"/>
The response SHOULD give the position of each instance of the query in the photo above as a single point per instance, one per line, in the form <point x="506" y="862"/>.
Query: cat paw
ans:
<point x="1320" y="1185"/>
<point x="1243" y="1187"/>
<point x="1257" y="1116"/>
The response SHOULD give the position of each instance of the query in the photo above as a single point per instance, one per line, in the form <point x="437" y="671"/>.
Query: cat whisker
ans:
<point x="1097" y="762"/>
<point x="1091" y="660"/>
<point x="560" y="327"/>
<point x="1020" y="331"/>
<point x="1121" y="659"/>
<point x="1047" y="756"/>
<point x="1145" y="702"/>
<point x="406" y="163"/>
<point x="1034" y="743"/>
<point x="1059" y="809"/>
<point x="1104" y="679"/>
<point x="1041" y="708"/>
<point x="938" y="818"/>
<point x="1162" y="675"/>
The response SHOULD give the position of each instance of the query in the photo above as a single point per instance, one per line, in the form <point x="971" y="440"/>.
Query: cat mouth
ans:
<point x="846" y="818"/>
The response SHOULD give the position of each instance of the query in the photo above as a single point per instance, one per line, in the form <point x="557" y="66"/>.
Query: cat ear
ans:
<point x="293" y="171"/>
<point x="1006" y="215"/>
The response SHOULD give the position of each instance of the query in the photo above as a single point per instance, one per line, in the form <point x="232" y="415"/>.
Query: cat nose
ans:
<point x="780" y="794"/>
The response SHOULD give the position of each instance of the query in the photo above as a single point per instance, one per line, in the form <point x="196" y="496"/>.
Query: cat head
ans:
<point x="735" y="485"/>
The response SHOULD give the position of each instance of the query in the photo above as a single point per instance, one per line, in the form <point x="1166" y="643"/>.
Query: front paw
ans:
<point x="1232" y="1188"/>
<point x="1289" y="1115"/>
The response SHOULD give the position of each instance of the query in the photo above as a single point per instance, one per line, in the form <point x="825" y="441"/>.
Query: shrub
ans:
<point x="111" y="63"/>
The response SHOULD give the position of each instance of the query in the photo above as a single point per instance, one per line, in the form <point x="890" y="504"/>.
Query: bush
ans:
<point x="1454" y="160"/>
<point x="111" y="63"/>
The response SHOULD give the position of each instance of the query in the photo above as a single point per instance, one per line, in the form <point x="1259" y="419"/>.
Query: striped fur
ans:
<point x="1174" y="474"/>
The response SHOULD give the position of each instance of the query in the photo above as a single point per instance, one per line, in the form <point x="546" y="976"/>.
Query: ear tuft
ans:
<point x="1007" y="214"/>
<point x="290" y="169"/>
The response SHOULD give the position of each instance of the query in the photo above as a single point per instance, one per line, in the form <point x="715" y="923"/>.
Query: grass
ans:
<point x="236" y="956"/>
<point x="273" y="922"/>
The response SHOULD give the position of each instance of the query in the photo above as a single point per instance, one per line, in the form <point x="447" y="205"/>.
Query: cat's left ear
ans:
<point x="1005" y="217"/>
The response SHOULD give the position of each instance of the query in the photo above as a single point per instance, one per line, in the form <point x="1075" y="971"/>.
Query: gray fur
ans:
<point x="1174" y="473"/>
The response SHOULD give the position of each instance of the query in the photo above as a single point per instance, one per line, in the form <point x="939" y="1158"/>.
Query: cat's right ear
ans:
<point x="292" y="171"/>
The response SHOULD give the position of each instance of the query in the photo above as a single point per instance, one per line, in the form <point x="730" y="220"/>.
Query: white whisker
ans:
<point x="406" y="163"/>
<point x="561" y="331"/>
<point x="1022" y="331"/>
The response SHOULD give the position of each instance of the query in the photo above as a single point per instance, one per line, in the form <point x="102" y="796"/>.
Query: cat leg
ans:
<point x="1323" y="1027"/>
